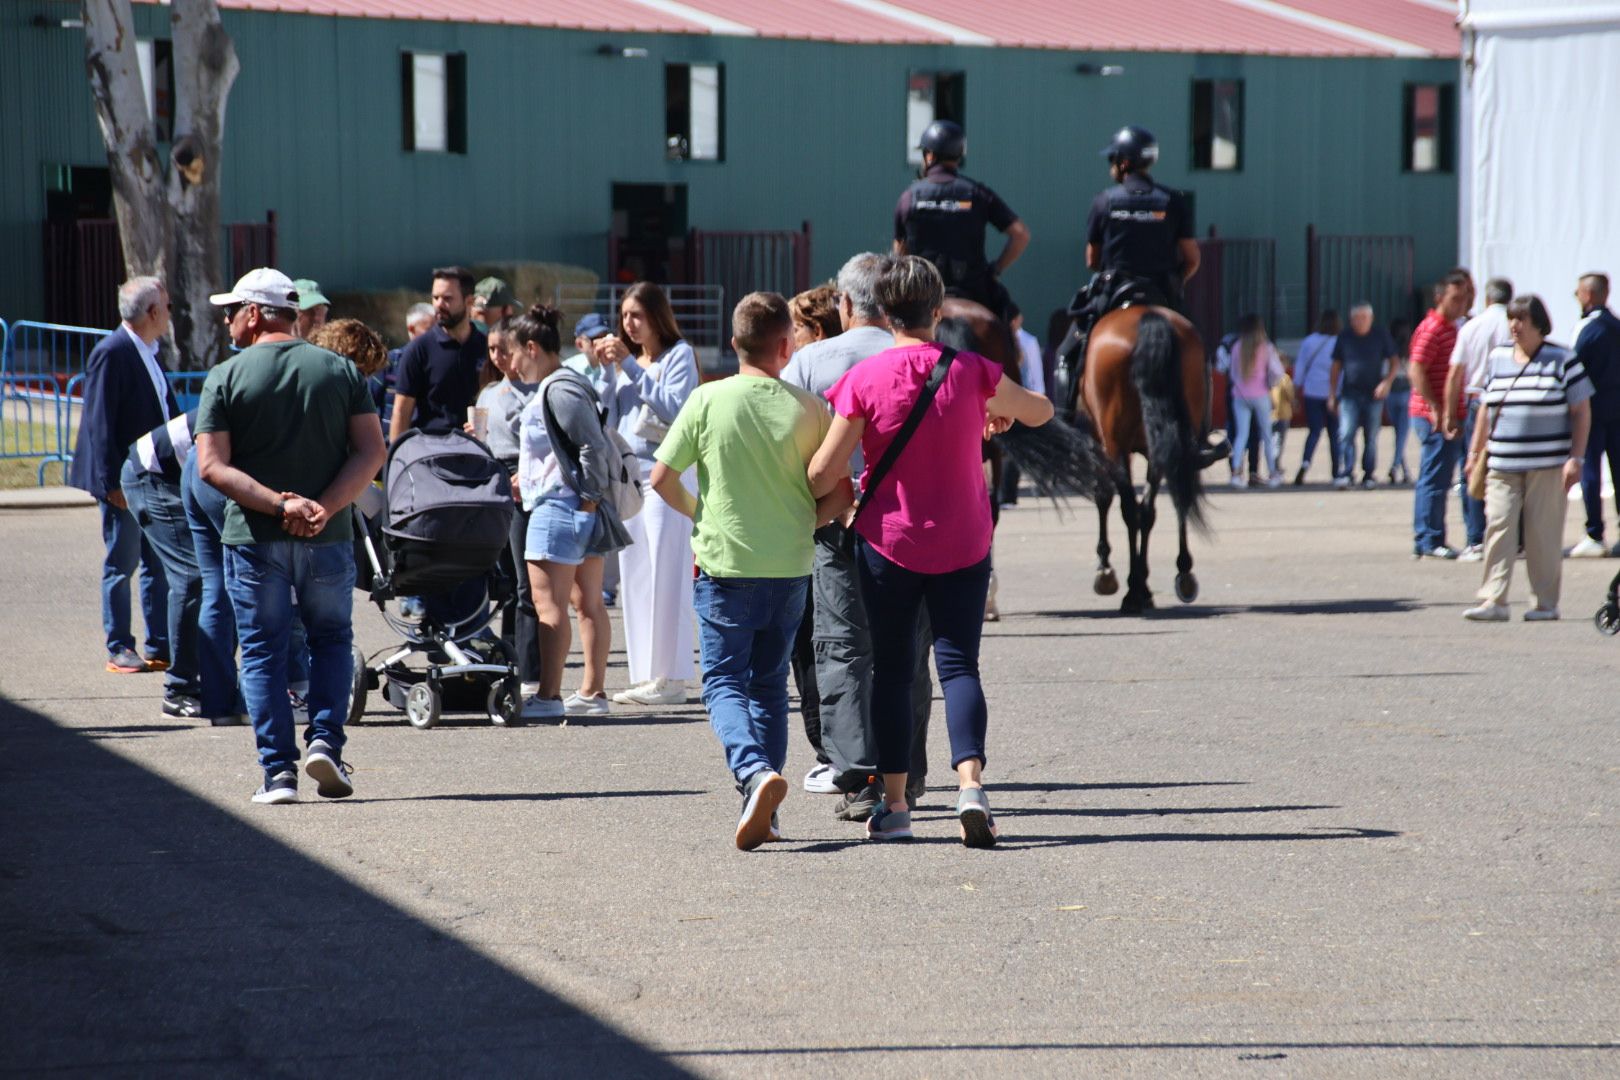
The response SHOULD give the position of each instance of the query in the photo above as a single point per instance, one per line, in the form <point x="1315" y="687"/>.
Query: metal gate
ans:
<point x="1236" y="276"/>
<point x="745" y="262"/>
<point x="1344" y="270"/>
<point x="700" y="311"/>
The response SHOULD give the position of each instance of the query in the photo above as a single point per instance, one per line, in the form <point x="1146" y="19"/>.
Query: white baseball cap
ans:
<point x="265" y="286"/>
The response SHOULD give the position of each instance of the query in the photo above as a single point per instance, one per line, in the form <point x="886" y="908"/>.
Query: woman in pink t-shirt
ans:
<point x="924" y="533"/>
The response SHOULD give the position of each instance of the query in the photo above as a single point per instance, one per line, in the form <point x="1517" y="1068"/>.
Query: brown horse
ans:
<point x="1144" y="384"/>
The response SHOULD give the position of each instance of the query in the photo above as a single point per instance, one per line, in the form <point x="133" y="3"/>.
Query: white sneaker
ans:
<point x="623" y="696"/>
<point x="820" y="780"/>
<point x="543" y="708"/>
<point x="529" y="689"/>
<point x="1238" y="482"/>
<point x="1472" y="553"/>
<point x="1340" y="483"/>
<point x="658" y="692"/>
<point x="1541" y="614"/>
<point x="1274" y="481"/>
<point x="577" y="704"/>
<point x="1487" y="613"/>
<point x="1588" y="548"/>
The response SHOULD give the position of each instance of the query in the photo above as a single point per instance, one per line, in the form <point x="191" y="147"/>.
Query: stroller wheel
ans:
<point x="1607" y="620"/>
<point x="505" y="703"/>
<point x="357" y="690"/>
<point x="422" y="705"/>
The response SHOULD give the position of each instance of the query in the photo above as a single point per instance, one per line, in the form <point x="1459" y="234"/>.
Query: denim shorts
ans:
<point x="559" y="532"/>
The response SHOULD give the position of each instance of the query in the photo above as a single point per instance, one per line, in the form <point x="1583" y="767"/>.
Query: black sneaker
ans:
<point x="858" y="805"/>
<point x="179" y="705"/>
<point x="762" y="793"/>
<point x="280" y="788"/>
<point x="230" y="720"/>
<point x="326" y="767"/>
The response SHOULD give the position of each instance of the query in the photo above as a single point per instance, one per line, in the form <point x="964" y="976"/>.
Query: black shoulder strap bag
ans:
<point x="876" y="475"/>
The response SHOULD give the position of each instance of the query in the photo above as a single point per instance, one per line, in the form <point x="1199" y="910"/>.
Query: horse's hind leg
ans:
<point x="1186" y="582"/>
<point x="1106" y="582"/>
<point x="1138" y="581"/>
<point x="1130" y="510"/>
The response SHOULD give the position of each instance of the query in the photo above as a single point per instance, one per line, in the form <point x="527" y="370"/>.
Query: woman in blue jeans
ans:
<point x="1397" y="405"/>
<point x="925" y="537"/>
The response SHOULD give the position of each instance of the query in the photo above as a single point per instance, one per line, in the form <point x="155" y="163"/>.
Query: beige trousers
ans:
<point x="1541" y="496"/>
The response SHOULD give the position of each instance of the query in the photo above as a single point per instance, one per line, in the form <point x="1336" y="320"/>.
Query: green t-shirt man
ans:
<point x="751" y="439"/>
<point x="286" y="407"/>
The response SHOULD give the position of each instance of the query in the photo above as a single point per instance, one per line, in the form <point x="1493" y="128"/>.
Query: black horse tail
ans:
<point x="1171" y="434"/>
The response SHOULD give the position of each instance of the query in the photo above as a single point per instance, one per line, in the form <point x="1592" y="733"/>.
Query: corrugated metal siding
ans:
<point x="813" y="131"/>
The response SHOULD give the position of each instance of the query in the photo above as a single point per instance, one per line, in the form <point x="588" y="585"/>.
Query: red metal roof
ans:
<point x="1285" y="27"/>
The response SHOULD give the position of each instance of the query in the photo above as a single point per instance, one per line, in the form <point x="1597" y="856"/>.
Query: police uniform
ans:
<point x="1137" y="226"/>
<point x="941" y="218"/>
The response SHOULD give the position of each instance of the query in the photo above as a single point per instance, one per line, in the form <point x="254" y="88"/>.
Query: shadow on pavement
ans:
<point x="530" y="796"/>
<point x="1044" y="840"/>
<point x="144" y="931"/>
<point x="1354" y="606"/>
<point x="1148" y="811"/>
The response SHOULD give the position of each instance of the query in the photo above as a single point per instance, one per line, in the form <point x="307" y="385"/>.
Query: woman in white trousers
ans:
<point x="657" y="373"/>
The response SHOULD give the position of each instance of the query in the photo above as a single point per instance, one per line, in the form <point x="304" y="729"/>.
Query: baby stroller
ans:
<point x="435" y="542"/>
<point x="1607" y="619"/>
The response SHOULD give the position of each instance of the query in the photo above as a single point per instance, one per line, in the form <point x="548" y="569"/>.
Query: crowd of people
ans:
<point x="753" y="551"/>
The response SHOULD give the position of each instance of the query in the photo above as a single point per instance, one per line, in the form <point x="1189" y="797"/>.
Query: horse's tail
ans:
<point x="1171" y="434"/>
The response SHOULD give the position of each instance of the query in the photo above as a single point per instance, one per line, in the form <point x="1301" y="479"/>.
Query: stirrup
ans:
<point x="1211" y="452"/>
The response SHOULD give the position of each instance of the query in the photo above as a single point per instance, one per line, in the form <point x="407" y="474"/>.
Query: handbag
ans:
<point x="875" y="476"/>
<point x="648" y="425"/>
<point x="1476" y="475"/>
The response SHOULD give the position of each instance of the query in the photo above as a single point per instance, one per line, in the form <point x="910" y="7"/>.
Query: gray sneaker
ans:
<point x="887" y="824"/>
<point x="280" y="788"/>
<point x="858" y="805"/>
<point x="327" y="768"/>
<point x="762" y="794"/>
<point x="978" y="824"/>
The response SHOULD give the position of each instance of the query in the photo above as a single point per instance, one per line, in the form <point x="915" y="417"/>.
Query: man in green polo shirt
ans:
<point x="288" y="433"/>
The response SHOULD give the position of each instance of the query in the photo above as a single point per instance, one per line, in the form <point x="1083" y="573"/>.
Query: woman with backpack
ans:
<point x="565" y="459"/>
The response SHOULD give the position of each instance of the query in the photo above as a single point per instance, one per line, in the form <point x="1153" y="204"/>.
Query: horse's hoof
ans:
<point x="1106" y="583"/>
<point x="1136" y="604"/>
<point x="1186" y="588"/>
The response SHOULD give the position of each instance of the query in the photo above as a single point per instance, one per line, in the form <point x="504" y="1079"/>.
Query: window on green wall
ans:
<point x="434" y="98"/>
<point x="1217" y="124"/>
<point x="1429" y="121"/>
<point x="694" y="112"/>
<point x="930" y="96"/>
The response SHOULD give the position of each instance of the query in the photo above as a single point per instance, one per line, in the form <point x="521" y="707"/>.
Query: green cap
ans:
<point x="309" y="294"/>
<point x="495" y="293"/>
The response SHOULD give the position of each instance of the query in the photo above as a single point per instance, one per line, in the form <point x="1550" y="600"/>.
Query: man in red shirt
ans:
<point x="1431" y="347"/>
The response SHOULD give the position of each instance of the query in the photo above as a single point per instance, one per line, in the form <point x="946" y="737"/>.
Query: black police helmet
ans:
<point x="944" y="139"/>
<point x="1133" y="146"/>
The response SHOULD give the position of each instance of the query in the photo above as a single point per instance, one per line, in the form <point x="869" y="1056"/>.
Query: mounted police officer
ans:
<point x="1139" y="240"/>
<point x="942" y="217"/>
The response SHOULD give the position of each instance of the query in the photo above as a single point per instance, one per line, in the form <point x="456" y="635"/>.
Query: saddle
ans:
<point x="1106" y="291"/>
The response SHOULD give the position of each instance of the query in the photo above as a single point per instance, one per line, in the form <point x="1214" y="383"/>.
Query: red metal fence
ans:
<point x="1345" y="270"/>
<point x="1236" y="276"/>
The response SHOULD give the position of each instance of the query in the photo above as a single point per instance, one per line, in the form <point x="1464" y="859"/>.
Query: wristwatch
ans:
<point x="281" y="509"/>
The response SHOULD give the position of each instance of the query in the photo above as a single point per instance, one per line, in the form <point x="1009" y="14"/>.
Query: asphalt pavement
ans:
<point x="1314" y="824"/>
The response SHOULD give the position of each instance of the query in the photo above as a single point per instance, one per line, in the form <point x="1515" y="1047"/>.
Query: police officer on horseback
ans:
<point x="942" y="216"/>
<point x="1139" y="240"/>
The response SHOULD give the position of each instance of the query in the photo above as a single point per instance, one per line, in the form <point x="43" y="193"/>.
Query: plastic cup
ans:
<point x="480" y="419"/>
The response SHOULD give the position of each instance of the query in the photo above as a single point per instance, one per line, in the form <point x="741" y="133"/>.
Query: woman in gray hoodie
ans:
<point x="563" y="459"/>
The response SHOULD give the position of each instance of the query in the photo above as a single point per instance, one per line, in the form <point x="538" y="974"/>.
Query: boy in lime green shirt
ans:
<point x="751" y="438"/>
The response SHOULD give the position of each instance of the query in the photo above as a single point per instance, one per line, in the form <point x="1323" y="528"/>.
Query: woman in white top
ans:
<point x="657" y="373"/>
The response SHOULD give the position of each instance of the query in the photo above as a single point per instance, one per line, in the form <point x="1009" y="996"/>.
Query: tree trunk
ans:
<point x="168" y="218"/>
<point x="114" y="68"/>
<point x="205" y="66"/>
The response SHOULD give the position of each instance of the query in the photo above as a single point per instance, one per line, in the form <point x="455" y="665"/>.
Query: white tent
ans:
<point x="1540" y="146"/>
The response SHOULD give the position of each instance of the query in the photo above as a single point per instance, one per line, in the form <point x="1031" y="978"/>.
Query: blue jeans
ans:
<point x="1253" y="417"/>
<point x="263" y="580"/>
<point x="155" y="502"/>
<point x="746" y="628"/>
<point x="1436" y="469"/>
<point x="1398" y="405"/>
<point x="1317" y="418"/>
<point x="1603" y="441"/>
<point x="127" y="548"/>
<point x="216" y="617"/>
<point x="955" y="603"/>
<point x="1473" y="509"/>
<point x="1359" y="412"/>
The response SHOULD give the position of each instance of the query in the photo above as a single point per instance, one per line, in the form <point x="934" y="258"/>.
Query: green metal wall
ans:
<point x="813" y="132"/>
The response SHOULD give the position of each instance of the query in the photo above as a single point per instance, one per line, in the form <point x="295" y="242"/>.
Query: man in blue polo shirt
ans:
<point x="438" y="372"/>
<point x="1597" y="347"/>
<point x="1363" y="370"/>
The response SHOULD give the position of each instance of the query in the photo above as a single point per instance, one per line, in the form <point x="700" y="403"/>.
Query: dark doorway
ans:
<point x="84" y="262"/>
<point x="648" y="238"/>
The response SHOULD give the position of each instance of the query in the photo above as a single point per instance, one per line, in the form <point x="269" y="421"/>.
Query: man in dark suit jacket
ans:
<point x="126" y="395"/>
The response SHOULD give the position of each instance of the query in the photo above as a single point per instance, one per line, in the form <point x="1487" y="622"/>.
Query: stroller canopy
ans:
<point x="449" y="510"/>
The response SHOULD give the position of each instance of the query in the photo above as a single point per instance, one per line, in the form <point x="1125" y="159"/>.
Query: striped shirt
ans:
<point x="1532" y="428"/>
<point x="164" y="450"/>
